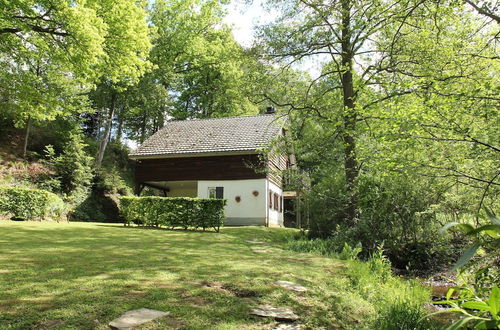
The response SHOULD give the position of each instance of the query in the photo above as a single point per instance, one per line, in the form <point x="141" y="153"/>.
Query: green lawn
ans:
<point x="83" y="275"/>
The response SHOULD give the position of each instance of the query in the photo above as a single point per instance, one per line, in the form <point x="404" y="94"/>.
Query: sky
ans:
<point x="244" y="17"/>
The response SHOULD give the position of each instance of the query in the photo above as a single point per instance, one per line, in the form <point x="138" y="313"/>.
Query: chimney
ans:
<point x="270" y="110"/>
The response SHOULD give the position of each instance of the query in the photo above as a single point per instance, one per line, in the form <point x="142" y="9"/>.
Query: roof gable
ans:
<point x="216" y="135"/>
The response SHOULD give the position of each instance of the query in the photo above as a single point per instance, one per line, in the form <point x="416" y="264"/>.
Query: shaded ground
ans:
<point x="83" y="275"/>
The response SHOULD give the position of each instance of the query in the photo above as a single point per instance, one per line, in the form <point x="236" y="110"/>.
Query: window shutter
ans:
<point x="270" y="199"/>
<point x="219" y="192"/>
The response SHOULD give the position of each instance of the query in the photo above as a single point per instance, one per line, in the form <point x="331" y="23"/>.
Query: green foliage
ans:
<point x="73" y="166"/>
<point x="350" y="253"/>
<point x="97" y="207"/>
<point x="404" y="315"/>
<point x="52" y="52"/>
<point x="197" y="57"/>
<point x="478" y="301"/>
<point x="487" y="236"/>
<point x="422" y="126"/>
<point x="394" y="211"/>
<point x="88" y="210"/>
<point x="173" y="212"/>
<point x="111" y="181"/>
<point x="380" y="265"/>
<point x="326" y="247"/>
<point x="30" y="204"/>
<point x="480" y="312"/>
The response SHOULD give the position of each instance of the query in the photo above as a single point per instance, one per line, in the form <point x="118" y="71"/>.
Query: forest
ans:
<point x="396" y="134"/>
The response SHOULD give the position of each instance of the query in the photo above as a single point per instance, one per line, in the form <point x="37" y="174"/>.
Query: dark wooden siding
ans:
<point x="232" y="167"/>
<point x="276" y="164"/>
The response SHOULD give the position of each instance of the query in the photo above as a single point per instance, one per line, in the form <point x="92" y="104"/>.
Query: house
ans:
<point x="218" y="158"/>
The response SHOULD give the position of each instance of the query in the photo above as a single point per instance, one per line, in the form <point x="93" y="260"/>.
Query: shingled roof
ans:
<point x="216" y="135"/>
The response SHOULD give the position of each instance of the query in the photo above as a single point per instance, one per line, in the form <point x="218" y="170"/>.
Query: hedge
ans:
<point x="172" y="212"/>
<point x="30" y="204"/>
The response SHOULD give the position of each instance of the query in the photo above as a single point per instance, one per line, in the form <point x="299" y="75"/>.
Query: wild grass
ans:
<point x="83" y="275"/>
<point x="405" y="315"/>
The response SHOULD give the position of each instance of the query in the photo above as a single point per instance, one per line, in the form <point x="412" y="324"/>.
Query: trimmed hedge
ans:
<point x="172" y="212"/>
<point x="30" y="204"/>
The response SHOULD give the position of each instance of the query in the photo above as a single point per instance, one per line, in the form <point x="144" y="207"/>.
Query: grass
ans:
<point x="83" y="275"/>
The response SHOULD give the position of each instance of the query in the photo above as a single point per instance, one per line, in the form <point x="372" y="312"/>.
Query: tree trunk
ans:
<point x="107" y="131"/>
<point x="119" y="130"/>
<point x="143" y="128"/>
<point x="349" y="116"/>
<point x="26" y="136"/>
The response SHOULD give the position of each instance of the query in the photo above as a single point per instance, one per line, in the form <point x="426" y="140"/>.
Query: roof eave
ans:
<point x="195" y="154"/>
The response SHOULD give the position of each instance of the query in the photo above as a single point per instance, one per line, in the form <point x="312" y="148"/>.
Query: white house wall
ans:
<point x="251" y="210"/>
<point x="275" y="216"/>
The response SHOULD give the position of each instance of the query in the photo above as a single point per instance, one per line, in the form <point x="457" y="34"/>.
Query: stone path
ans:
<point x="277" y="313"/>
<point x="263" y="249"/>
<point x="288" y="326"/>
<point x="136" y="317"/>
<point x="254" y="242"/>
<point x="292" y="286"/>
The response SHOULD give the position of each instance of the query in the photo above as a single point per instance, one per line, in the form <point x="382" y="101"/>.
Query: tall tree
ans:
<point x="199" y="61"/>
<point x="359" y="43"/>
<point x="127" y="52"/>
<point x="339" y="32"/>
<point x="199" y="71"/>
<point x="52" y="52"/>
<point x="48" y="56"/>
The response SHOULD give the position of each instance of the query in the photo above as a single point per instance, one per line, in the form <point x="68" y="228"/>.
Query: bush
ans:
<point x="110" y="181"/>
<point x="173" y="212"/>
<point x="394" y="211"/>
<point x="404" y="315"/>
<point x="30" y="204"/>
<point x="327" y="247"/>
<point x="73" y="166"/>
<point x="88" y="210"/>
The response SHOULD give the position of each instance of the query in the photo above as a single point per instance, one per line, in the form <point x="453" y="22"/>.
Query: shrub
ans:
<point x="93" y="206"/>
<point x="173" y="212"/>
<point x="326" y="247"/>
<point x="30" y="204"/>
<point x="73" y="166"/>
<point x="404" y="315"/>
<point x="111" y="181"/>
<point x="394" y="211"/>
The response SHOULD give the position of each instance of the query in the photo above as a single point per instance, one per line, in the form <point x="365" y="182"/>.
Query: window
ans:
<point x="276" y="202"/>
<point x="216" y="192"/>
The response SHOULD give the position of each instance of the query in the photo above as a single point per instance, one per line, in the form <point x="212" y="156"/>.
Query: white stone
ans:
<point x="278" y="313"/>
<point x="263" y="249"/>
<point x="136" y="317"/>
<point x="284" y="326"/>
<point x="292" y="286"/>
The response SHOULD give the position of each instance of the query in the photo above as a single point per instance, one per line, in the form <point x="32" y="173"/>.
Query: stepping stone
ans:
<point x="277" y="313"/>
<point x="48" y="324"/>
<point x="292" y="286"/>
<point x="254" y="242"/>
<point x="136" y="317"/>
<point x="284" y="326"/>
<point x="263" y="249"/>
